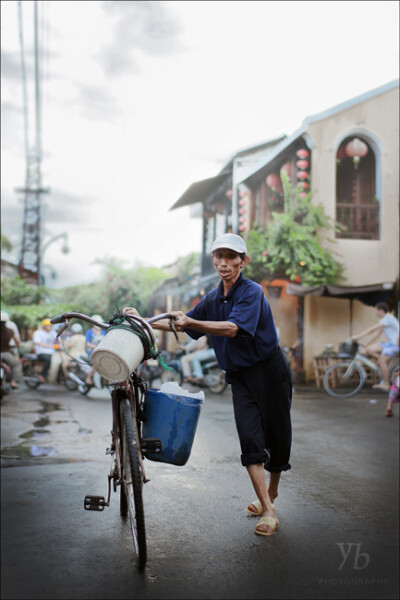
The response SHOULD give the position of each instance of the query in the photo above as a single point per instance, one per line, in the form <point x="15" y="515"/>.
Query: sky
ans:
<point x="142" y="98"/>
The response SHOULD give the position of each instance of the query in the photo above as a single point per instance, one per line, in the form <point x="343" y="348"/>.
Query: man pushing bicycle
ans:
<point x="238" y="317"/>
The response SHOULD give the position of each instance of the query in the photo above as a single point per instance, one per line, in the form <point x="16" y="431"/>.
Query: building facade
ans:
<point x="348" y="157"/>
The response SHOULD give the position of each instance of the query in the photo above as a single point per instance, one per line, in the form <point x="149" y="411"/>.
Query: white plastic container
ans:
<point x="119" y="353"/>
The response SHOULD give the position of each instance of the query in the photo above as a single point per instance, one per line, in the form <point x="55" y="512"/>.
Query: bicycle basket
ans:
<point x="348" y="347"/>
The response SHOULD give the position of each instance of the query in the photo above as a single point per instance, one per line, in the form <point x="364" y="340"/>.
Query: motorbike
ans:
<point x="32" y="368"/>
<point x="151" y="371"/>
<point x="5" y="378"/>
<point x="79" y="370"/>
<point x="213" y="376"/>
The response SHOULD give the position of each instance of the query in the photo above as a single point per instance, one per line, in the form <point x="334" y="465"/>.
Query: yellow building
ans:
<point x="348" y="157"/>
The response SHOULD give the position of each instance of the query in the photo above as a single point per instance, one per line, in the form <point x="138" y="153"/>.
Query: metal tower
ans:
<point x="30" y="259"/>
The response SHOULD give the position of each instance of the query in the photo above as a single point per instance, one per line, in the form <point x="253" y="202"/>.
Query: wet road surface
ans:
<point x="338" y="506"/>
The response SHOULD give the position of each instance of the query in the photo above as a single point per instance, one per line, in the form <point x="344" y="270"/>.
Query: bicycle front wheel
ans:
<point x="343" y="380"/>
<point x="31" y="377"/>
<point x="132" y="481"/>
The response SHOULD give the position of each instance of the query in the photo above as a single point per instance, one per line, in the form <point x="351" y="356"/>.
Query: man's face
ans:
<point x="227" y="264"/>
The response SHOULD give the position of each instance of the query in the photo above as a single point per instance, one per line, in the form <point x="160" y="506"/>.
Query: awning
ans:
<point x="368" y="294"/>
<point x="200" y="190"/>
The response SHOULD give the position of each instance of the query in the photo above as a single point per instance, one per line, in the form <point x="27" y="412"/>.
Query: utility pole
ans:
<point x="30" y="260"/>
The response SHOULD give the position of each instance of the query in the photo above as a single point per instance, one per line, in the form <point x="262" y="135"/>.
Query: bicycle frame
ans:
<point x="361" y="360"/>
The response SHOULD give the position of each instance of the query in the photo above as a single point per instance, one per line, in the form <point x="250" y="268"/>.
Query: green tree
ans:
<point x="121" y="286"/>
<point x="16" y="291"/>
<point x="5" y="243"/>
<point x="291" y="246"/>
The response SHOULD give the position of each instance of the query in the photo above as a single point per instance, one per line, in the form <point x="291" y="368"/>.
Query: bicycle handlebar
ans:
<point x="65" y="317"/>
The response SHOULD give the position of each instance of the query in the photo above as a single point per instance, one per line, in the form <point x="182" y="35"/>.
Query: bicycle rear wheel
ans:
<point x="343" y="380"/>
<point x="132" y="481"/>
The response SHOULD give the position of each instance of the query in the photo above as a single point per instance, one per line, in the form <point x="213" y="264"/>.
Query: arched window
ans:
<point x="357" y="207"/>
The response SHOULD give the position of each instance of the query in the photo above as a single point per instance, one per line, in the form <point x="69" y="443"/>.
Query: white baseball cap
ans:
<point x="231" y="241"/>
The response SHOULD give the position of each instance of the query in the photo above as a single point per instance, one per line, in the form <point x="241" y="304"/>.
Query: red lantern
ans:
<point x="273" y="180"/>
<point x="302" y="153"/>
<point x="242" y="219"/>
<point x="356" y="149"/>
<point x="287" y="169"/>
<point x="242" y="202"/>
<point x="242" y="228"/>
<point x="302" y="175"/>
<point x="302" y="184"/>
<point x="303" y="195"/>
<point x="242" y="210"/>
<point x="302" y="164"/>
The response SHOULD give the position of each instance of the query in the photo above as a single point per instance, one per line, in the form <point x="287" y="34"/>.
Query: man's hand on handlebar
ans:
<point x="182" y="320"/>
<point x="129" y="310"/>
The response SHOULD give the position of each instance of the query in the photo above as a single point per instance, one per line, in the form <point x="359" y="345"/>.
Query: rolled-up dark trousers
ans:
<point x="262" y="399"/>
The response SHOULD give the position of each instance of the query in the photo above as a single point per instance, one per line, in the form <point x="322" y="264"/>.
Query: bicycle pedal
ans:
<point x="95" y="503"/>
<point x="151" y="446"/>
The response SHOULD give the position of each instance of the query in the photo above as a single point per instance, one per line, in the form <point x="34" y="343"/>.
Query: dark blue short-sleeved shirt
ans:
<point x="247" y="307"/>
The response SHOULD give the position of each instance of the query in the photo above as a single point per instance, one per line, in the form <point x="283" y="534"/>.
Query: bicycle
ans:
<point x="346" y="378"/>
<point x="128" y="447"/>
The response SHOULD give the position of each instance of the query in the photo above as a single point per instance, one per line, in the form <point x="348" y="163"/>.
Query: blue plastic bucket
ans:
<point x="173" y="420"/>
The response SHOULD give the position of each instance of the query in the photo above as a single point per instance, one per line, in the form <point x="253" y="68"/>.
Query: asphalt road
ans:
<point x="338" y="506"/>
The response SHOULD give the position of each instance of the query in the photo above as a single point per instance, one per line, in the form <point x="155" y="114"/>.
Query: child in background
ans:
<point x="393" y="395"/>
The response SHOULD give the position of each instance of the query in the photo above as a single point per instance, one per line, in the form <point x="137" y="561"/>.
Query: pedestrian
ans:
<point x="238" y="317"/>
<point x="44" y="339"/>
<point x="12" y="325"/>
<point x="7" y="350"/>
<point x="383" y="352"/>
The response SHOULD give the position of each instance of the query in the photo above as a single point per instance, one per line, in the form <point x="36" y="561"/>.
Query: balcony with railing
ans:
<point x="359" y="221"/>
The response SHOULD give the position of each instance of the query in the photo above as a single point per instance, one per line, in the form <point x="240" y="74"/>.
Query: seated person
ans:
<point x="191" y="349"/>
<point x="43" y="340"/>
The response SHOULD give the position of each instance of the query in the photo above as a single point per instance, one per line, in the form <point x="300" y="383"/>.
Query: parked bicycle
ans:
<point x="128" y="447"/>
<point x="347" y="377"/>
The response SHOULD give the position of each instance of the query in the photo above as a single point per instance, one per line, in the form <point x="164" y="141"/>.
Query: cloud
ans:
<point x="146" y="27"/>
<point x="62" y="208"/>
<point x="96" y="102"/>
